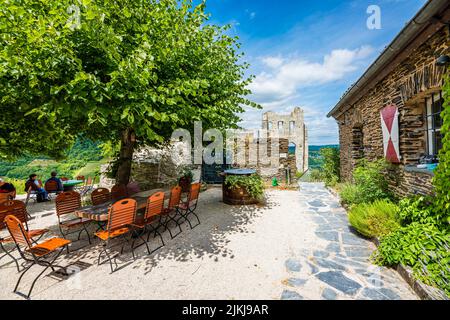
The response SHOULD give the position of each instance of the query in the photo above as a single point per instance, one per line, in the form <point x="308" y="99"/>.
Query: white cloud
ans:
<point x="285" y="76"/>
<point x="273" y="62"/>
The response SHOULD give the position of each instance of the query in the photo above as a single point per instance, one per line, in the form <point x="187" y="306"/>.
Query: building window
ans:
<point x="291" y="148"/>
<point x="434" y="122"/>
<point x="269" y="126"/>
<point x="291" y="127"/>
<point x="280" y="126"/>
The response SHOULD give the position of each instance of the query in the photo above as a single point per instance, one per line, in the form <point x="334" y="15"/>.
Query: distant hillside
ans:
<point x="314" y="159"/>
<point x="317" y="148"/>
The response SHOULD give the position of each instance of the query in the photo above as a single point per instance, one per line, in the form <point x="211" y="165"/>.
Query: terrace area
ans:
<point x="297" y="245"/>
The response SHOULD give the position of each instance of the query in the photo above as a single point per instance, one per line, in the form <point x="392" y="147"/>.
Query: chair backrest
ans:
<point x="5" y="196"/>
<point x="67" y="202"/>
<point x="100" y="195"/>
<point x="121" y="214"/>
<point x="64" y="179"/>
<point x="17" y="231"/>
<point x="119" y="192"/>
<point x="80" y="178"/>
<point x="155" y="205"/>
<point x="51" y="186"/>
<point x="175" y="197"/>
<point x="13" y="207"/>
<point x="194" y="191"/>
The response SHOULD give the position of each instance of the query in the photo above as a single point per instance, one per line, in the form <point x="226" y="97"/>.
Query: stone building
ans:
<point x="292" y="128"/>
<point x="393" y="110"/>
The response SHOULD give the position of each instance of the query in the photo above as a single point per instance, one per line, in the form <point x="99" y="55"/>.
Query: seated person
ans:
<point x="35" y="187"/>
<point x="6" y="187"/>
<point x="58" y="181"/>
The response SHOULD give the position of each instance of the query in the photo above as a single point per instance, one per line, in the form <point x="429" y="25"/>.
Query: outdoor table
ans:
<point x="99" y="212"/>
<point x="70" y="184"/>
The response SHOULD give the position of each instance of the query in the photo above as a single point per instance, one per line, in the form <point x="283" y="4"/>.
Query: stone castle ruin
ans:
<point x="156" y="168"/>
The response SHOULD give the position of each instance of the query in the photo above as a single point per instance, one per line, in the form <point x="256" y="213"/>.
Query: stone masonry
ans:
<point x="407" y="86"/>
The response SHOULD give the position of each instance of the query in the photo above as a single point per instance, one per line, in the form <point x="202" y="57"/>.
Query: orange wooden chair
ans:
<point x="188" y="207"/>
<point x="170" y="212"/>
<point x="119" y="192"/>
<point x="66" y="204"/>
<point x="17" y="209"/>
<point x="100" y="196"/>
<point x="6" y="196"/>
<point x="120" y="218"/>
<point x="51" y="187"/>
<point x="88" y="186"/>
<point x="153" y="213"/>
<point x="43" y="254"/>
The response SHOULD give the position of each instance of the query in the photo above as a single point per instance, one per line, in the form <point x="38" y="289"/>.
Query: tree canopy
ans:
<point x="129" y="71"/>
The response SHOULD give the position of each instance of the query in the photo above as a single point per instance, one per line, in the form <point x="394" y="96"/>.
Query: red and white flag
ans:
<point x="389" y="125"/>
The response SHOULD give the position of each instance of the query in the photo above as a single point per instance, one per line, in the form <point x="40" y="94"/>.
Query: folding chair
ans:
<point x="170" y="212"/>
<point x="43" y="254"/>
<point x="51" y="187"/>
<point x="17" y="209"/>
<point x="119" y="192"/>
<point x="188" y="207"/>
<point x="88" y="186"/>
<point x="30" y="195"/>
<point x="120" y="218"/>
<point x="153" y="211"/>
<point x="100" y="196"/>
<point x="67" y="203"/>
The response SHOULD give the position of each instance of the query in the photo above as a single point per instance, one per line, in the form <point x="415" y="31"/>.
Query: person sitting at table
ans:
<point x="33" y="183"/>
<point x="57" y="180"/>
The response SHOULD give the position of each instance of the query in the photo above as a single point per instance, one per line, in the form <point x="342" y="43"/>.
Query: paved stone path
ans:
<point x="339" y="265"/>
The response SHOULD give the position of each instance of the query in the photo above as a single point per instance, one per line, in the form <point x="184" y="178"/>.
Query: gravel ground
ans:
<point x="296" y="246"/>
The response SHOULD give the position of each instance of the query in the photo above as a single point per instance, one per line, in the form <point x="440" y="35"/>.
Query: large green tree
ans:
<point x="126" y="72"/>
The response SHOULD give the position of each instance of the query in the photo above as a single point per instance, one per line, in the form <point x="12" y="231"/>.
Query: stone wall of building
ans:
<point x="360" y="130"/>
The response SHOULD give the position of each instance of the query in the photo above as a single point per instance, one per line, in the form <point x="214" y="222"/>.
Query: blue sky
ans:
<point x="307" y="53"/>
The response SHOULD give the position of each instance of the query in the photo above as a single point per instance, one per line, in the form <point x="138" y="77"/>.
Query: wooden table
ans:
<point x="100" y="212"/>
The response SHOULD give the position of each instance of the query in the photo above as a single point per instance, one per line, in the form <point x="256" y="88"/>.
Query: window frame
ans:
<point x="432" y="142"/>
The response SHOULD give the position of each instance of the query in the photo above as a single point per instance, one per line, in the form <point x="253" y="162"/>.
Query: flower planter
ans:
<point x="237" y="196"/>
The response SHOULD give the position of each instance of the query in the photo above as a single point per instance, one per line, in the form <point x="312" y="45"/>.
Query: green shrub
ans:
<point x="330" y="171"/>
<point x="350" y="194"/>
<point x="253" y="184"/>
<point x="424" y="247"/>
<point x="376" y="219"/>
<point x="371" y="178"/>
<point x="18" y="184"/>
<point x="315" y="175"/>
<point x="418" y="209"/>
<point x="370" y="184"/>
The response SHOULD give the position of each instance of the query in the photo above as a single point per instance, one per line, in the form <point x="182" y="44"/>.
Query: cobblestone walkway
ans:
<point x="339" y="266"/>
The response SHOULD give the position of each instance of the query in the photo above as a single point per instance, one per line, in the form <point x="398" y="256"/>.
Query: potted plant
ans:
<point x="242" y="189"/>
<point x="186" y="180"/>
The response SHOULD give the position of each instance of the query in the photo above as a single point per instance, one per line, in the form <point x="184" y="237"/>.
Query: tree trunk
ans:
<point x="126" y="156"/>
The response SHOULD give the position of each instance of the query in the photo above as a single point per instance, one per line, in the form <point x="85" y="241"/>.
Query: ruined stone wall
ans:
<point x="360" y="131"/>
<point x="154" y="168"/>
<point x="296" y="134"/>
